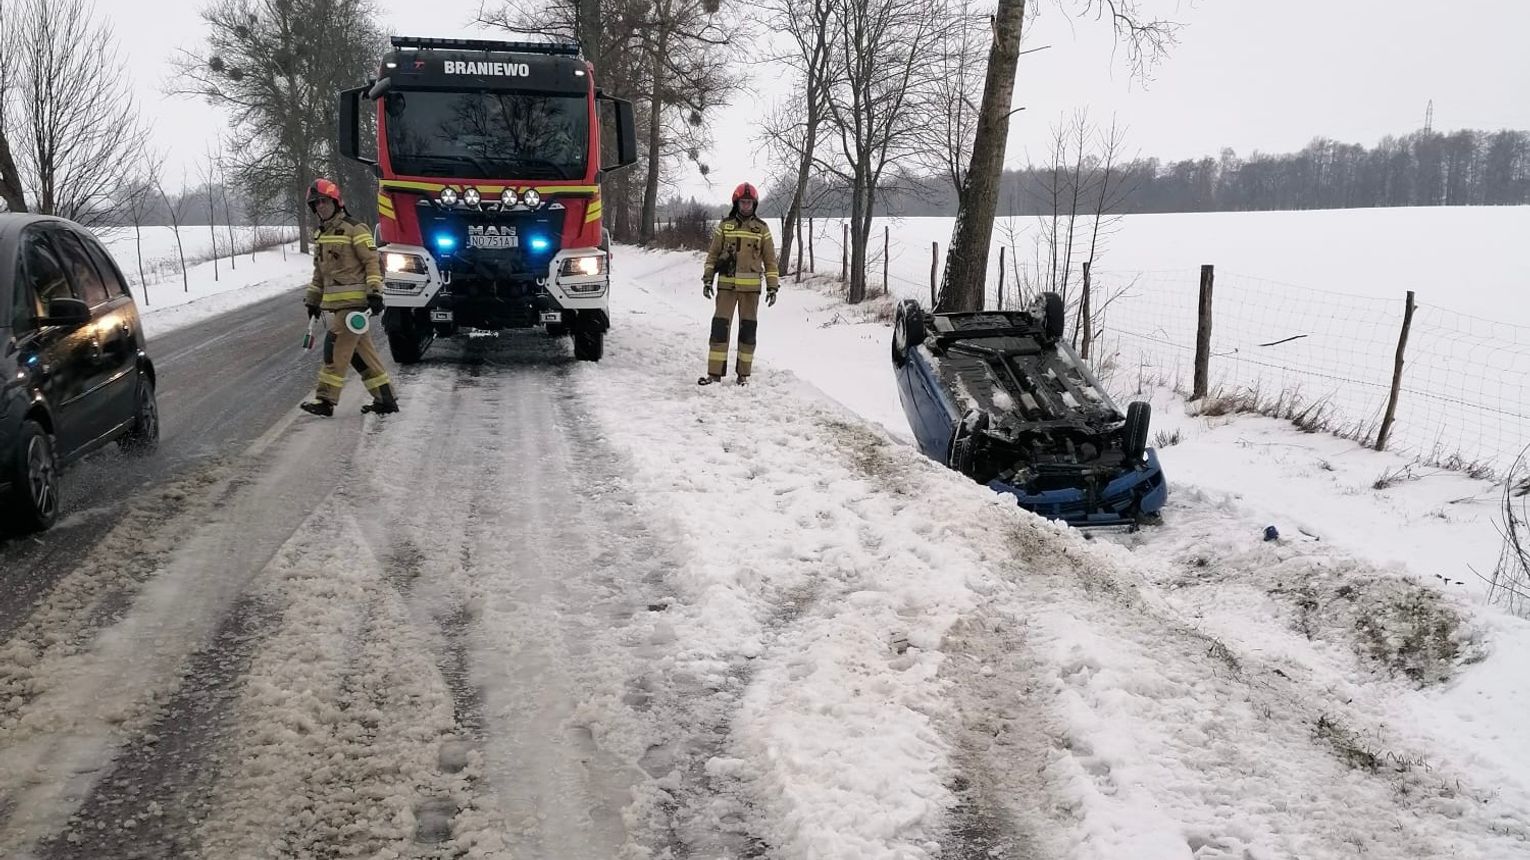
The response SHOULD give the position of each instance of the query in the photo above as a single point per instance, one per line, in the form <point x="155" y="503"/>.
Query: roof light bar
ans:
<point x="566" y="49"/>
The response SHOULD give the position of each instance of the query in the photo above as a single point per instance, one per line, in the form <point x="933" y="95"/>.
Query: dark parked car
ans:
<point x="1003" y="399"/>
<point x="74" y="376"/>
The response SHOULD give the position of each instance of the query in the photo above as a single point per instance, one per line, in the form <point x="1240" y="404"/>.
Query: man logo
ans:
<point x="497" y="70"/>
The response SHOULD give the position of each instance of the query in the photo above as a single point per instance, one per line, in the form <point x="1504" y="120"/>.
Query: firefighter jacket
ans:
<point x="345" y="267"/>
<point x="742" y="254"/>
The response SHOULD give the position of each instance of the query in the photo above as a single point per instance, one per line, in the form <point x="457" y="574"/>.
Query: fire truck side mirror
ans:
<point x="626" y="134"/>
<point x="349" y="125"/>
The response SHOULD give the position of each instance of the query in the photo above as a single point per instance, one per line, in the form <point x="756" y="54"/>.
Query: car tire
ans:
<point x="143" y="437"/>
<point x="908" y="330"/>
<point x="1054" y="316"/>
<point x="34" y="497"/>
<point x="557" y="330"/>
<point x="1135" y="434"/>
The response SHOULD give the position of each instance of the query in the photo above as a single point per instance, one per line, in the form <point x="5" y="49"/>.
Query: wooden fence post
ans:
<point x="812" y="258"/>
<point x="1001" y="277"/>
<point x="886" y="243"/>
<point x="1203" y="335"/>
<point x="1397" y="372"/>
<point x="844" y="256"/>
<point x="1084" y="312"/>
<point x="934" y="256"/>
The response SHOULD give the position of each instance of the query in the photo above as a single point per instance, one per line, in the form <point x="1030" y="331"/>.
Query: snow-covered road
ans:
<point x="587" y="611"/>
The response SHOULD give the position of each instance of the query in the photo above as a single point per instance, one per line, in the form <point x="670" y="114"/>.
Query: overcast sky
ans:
<point x="1251" y="76"/>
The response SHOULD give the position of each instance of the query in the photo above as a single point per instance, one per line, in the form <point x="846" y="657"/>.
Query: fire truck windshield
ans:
<point x="487" y="135"/>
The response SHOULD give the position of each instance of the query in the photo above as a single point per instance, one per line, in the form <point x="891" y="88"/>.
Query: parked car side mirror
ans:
<point x="66" y="312"/>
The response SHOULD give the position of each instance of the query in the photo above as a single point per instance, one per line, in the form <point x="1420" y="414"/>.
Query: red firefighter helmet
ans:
<point x="320" y="189"/>
<point x="745" y="191"/>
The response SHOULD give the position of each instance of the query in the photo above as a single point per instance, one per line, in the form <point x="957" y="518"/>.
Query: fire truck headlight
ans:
<point x="410" y="263"/>
<point x="584" y="267"/>
<point x="471" y="197"/>
<point x="449" y="197"/>
<point x="532" y="198"/>
<point x="507" y="197"/>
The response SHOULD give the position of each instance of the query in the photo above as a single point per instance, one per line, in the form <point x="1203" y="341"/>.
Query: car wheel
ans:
<point x="1054" y="315"/>
<point x="1135" y="434"/>
<point x="143" y="438"/>
<point x="33" y="505"/>
<point x="908" y="330"/>
<point x="556" y="330"/>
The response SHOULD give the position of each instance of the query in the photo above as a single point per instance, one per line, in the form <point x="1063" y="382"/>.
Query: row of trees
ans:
<point x="1462" y="168"/>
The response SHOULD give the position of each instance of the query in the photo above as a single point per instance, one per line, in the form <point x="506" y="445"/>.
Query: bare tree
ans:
<point x="77" y="125"/>
<point x="879" y="71"/>
<point x="12" y="192"/>
<point x="796" y="126"/>
<point x="1146" y="40"/>
<point x="951" y="103"/>
<point x="228" y="214"/>
<point x="207" y="171"/>
<point x="276" y="65"/>
<point x="175" y="224"/>
<point x="139" y="202"/>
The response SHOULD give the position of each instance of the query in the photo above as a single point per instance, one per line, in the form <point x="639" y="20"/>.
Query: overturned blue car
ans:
<point x="1000" y="397"/>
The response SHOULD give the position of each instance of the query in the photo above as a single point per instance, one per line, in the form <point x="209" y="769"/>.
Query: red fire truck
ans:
<point x="489" y="214"/>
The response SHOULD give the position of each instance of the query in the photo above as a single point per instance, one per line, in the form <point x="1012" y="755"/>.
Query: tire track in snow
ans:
<point x="112" y="684"/>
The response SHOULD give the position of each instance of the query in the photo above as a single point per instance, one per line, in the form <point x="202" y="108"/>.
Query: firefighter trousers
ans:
<point x="748" y="306"/>
<point x="343" y="350"/>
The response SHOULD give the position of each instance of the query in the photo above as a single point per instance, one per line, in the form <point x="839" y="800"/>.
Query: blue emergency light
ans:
<point x="446" y="241"/>
<point x="539" y="243"/>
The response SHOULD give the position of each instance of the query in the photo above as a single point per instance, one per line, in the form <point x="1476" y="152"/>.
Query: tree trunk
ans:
<point x="655" y="139"/>
<point x="804" y="168"/>
<point x="300" y="208"/>
<point x="10" y="178"/>
<point x="857" y="267"/>
<point x="587" y="29"/>
<point x="143" y="280"/>
<point x="967" y="259"/>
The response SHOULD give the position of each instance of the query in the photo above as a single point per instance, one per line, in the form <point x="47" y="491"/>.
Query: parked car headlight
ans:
<point x="584" y="267"/>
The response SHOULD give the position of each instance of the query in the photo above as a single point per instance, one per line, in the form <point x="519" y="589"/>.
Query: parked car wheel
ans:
<point x="908" y="330"/>
<point x="1055" y="313"/>
<point x="34" y="498"/>
<point x="1135" y="438"/>
<point x="143" y="438"/>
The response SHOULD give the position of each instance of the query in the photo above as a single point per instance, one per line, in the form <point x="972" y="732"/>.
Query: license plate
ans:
<point x="494" y="243"/>
<point x="552" y="317"/>
<point x="440" y="316"/>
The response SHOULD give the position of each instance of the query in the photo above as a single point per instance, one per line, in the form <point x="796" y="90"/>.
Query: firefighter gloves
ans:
<point x="374" y="304"/>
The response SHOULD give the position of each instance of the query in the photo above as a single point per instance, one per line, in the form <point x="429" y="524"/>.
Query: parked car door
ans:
<point x="59" y="357"/>
<point x="114" y="320"/>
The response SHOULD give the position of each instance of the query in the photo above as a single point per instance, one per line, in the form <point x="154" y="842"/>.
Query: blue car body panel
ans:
<point x="1137" y="492"/>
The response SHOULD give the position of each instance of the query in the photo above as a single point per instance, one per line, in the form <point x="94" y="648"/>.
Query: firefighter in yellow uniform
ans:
<point x="346" y="278"/>
<point x="743" y="257"/>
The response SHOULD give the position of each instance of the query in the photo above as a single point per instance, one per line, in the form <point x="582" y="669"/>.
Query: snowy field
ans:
<point x="169" y="302"/>
<point x="1308" y="307"/>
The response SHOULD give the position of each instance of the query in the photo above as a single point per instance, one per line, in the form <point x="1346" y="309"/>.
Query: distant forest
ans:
<point x="1462" y="168"/>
